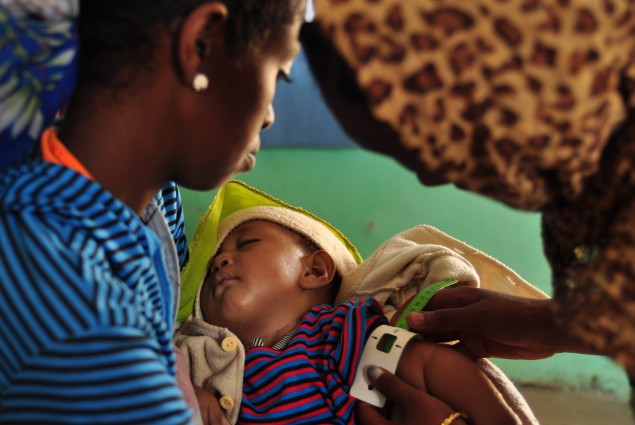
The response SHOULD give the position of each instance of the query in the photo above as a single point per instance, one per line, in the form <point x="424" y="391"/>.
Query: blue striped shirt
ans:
<point x="170" y="203"/>
<point x="85" y="319"/>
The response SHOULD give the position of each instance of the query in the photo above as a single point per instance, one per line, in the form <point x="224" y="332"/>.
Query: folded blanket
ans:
<point x="420" y="256"/>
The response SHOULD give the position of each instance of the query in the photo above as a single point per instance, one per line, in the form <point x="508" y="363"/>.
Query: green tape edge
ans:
<point x="420" y="300"/>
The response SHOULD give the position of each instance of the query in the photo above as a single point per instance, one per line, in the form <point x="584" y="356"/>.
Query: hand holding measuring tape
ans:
<point x="384" y="348"/>
<point x="386" y="344"/>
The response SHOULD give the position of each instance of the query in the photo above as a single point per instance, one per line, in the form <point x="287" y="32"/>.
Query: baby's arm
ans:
<point x="455" y="380"/>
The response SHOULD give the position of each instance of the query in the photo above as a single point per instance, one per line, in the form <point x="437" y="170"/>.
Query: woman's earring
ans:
<point x="200" y="82"/>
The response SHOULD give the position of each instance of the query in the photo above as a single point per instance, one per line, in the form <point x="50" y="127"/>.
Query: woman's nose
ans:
<point x="270" y="118"/>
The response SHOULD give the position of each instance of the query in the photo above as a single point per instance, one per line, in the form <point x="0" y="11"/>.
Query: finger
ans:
<point x="369" y="415"/>
<point x="211" y="410"/>
<point x="414" y="405"/>
<point x="447" y="311"/>
<point x="396" y="390"/>
<point x="216" y="415"/>
<point x="447" y="321"/>
<point x="205" y="416"/>
<point x="454" y="297"/>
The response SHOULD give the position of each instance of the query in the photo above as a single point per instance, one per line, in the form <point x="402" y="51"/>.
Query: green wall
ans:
<point x="370" y="198"/>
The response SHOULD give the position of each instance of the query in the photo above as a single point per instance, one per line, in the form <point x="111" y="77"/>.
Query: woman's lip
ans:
<point x="249" y="162"/>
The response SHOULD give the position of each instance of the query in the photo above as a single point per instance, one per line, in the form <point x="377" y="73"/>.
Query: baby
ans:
<point x="264" y="318"/>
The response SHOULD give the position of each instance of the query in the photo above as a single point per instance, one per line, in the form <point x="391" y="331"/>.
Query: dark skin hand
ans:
<point x="348" y="104"/>
<point x="492" y="324"/>
<point x="197" y="398"/>
<point x="210" y="409"/>
<point x="415" y="406"/>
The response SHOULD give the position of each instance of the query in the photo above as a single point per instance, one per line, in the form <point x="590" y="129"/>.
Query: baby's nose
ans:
<point x="220" y="261"/>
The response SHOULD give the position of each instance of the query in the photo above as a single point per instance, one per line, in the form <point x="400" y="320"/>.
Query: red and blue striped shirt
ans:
<point x="309" y="381"/>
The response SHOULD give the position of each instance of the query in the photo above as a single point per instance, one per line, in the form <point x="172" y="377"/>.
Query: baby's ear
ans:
<point x="319" y="270"/>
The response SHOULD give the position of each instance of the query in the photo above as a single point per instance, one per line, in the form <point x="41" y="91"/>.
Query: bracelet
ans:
<point x="452" y="417"/>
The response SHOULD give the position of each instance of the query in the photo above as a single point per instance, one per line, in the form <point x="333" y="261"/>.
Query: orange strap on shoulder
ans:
<point x="53" y="150"/>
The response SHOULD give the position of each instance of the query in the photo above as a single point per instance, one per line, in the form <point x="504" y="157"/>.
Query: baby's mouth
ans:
<point x="221" y="279"/>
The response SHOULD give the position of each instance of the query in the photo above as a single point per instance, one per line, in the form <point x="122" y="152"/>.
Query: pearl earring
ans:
<point x="200" y="82"/>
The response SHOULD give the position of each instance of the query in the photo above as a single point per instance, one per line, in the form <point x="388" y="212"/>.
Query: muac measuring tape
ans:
<point x="420" y="300"/>
<point x="385" y="346"/>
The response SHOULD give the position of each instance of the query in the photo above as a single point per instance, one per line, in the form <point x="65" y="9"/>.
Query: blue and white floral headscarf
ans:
<point x="38" y="59"/>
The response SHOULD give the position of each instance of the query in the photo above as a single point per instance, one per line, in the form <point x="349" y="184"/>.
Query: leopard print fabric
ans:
<point x="528" y="102"/>
<point x="590" y="243"/>
<point x="514" y="99"/>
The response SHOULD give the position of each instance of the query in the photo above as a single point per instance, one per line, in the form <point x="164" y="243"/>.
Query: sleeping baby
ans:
<point x="266" y="338"/>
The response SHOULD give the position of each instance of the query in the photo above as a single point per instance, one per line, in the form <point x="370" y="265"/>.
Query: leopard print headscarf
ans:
<point x="513" y="99"/>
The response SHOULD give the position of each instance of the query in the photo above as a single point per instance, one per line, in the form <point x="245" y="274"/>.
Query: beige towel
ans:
<point x="217" y="369"/>
<point x="417" y="257"/>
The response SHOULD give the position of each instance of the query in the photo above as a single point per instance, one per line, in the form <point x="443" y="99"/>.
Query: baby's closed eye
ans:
<point x="246" y="242"/>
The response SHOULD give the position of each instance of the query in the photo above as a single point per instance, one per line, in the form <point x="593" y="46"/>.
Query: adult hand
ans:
<point x="415" y="406"/>
<point x="205" y="406"/>
<point x="210" y="409"/>
<point x="492" y="324"/>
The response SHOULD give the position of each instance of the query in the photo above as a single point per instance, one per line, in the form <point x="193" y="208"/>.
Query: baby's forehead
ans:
<point x="257" y="224"/>
<point x="272" y="229"/>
